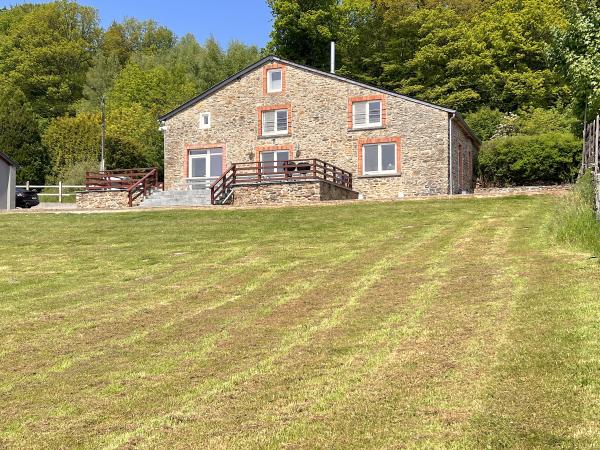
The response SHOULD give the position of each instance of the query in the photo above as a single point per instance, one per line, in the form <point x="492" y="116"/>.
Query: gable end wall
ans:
<point x="319" y="107"/>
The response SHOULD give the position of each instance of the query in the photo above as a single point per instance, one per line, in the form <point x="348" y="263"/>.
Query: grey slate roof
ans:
<point x="271" y="58"/>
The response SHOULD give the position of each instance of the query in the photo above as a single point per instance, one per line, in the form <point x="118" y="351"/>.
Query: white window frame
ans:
<point x="276" y="132"/>
<point x="204" y="126"/>
<point x="367" y="124"/>
<point x="379" y="159"/>
<point x="270" y="89"/>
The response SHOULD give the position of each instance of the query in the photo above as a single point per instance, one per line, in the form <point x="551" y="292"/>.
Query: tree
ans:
<point x="576" y="53"/>
<point x="131" y="36"/>
<point x="99" y="80"/>
<point x="47" y="52"/>
<point x="20" y="137"/>
<point x="71" y="141"/>
<point x="303" y="29"/>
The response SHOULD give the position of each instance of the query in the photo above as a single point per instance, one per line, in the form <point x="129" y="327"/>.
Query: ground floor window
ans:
<point x="379" y="159"/>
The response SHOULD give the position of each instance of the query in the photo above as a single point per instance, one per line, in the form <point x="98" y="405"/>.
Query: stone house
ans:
<point x="276" y="111"/>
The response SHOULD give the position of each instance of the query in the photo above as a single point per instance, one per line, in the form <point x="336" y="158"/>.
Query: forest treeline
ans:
<point x="523" y="72"/>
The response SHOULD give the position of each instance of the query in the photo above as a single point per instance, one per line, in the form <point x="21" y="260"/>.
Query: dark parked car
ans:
<point x="26" y="199"/>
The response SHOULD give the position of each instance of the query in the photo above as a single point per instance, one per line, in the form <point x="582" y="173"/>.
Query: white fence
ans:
<point x="61" y="189"/>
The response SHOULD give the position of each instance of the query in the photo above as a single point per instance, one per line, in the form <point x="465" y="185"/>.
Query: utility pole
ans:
<point x="103" y="144"/>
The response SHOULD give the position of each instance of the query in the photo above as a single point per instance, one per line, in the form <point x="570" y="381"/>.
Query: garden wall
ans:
<point x="290" y="193"/>
<point x="103" y="200"/>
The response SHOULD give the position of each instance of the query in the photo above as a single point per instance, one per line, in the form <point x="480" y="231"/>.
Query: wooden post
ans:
<point x="60" y="192"/>
<point x="27" y="186"/>
<point x="597" y="136"/>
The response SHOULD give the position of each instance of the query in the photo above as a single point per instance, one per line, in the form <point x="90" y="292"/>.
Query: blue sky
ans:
<point x="246" y="20"/>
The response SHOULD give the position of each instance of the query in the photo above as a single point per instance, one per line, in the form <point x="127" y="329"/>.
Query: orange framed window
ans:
<point x="275" y="120"/>
<point x="274" y="79"/>
<point x="367" y="112"/>
<point x="379" y="156"/>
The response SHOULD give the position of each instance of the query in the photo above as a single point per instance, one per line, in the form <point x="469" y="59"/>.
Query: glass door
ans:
<point x="205" y="167"/>
<point x="273" y="162"/>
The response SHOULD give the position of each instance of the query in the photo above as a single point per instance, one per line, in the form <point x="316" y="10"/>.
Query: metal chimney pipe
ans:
<point x="333" y="57"/>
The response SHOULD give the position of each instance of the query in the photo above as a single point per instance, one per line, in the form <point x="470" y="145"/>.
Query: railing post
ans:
<point x="27" y="186"/>
<point x="325" y="170"/>
<point x="350" y="181"/>
<point x="315" y="168"/>
<point x="60" y="192"/>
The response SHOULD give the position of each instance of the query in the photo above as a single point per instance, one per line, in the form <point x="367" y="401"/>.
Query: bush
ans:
<point x="123" y="154"/>
<point x="72" y="140"/>
<point x="575" y="220"/>
<point x="551" y="158"/>
<point x="485" y="122"/>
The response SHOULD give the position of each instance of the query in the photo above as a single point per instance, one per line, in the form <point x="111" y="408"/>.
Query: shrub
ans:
<point x="551" y="158"/>
<point x="485" y="122"/>
<point x="123" y="154"/>
<point x="575" y="220"/>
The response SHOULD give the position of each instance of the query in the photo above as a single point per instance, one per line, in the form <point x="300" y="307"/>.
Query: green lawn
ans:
<point x="455" y="324"/>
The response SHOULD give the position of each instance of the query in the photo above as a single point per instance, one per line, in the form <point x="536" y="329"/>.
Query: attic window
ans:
<point x="205" y="121"/>
<point x="274" y="81"/>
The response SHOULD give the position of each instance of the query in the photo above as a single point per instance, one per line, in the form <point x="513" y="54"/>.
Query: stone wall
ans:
<point x="290" y="193"/>
<point x="103" y="200"/>
<point x="464" y="153"/>
<point x="318" y="129"/>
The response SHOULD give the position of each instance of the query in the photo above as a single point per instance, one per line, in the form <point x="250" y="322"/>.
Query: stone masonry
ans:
<point x="290" y="193"/>
<point x="320" y="127"/>
<point x="103" y="200"/>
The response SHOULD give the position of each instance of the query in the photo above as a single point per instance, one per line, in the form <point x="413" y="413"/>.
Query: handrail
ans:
<point x="283" y="171"/>
<point x="136" y="182"/>
<point x="142" y="187"/>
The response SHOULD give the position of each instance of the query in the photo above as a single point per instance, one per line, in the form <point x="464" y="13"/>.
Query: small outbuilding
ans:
<point x="8" y="177"/>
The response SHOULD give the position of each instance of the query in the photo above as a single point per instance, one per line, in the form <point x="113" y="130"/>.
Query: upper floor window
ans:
<point x="205" y="121"/>
<point x="274" y="81"/>
<point x="367" y="114"/>
<point x="275" y="122"/>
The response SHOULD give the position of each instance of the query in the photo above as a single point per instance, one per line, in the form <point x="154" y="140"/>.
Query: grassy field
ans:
<point x="430" y="324"/>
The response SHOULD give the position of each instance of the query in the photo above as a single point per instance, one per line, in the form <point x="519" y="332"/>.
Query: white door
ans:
<point x="205" y="167"/>
<point x="273" y="162"/>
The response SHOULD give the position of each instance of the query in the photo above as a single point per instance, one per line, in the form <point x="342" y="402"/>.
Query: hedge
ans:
<point x="551" y="158"/>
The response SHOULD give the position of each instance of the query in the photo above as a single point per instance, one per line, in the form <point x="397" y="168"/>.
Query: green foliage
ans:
<point x="137" y="127"/>
<point x="123" y="153"/>
<point x="157" y="89"/>
<point x="20" y="137"/>
<point x="576" y="52"/>
<point x="485" y="122"/>
<point x="72" y="140"/>
<point x="47" y="52"/>
<point x="303" y="29"/>
<point x="525" y="160"/>
<point x="576" y="222"/>
<point x="122" y="40"/>
<point x="534" y="121"/>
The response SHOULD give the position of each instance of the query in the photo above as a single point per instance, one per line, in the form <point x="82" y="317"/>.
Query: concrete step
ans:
<point x="177" y="198"/>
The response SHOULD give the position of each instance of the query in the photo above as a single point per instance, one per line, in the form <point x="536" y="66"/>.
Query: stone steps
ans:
<point x="177" y="198"/>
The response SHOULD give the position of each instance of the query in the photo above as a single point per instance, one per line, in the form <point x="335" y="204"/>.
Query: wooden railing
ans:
<point x="136" y="182"/>
<point x="282" y="171"/>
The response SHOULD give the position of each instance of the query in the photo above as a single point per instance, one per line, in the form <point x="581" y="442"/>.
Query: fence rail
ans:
<point x="60" y="187"/>
<point x="281" y="171"/>
<point x="591" y="156"/>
